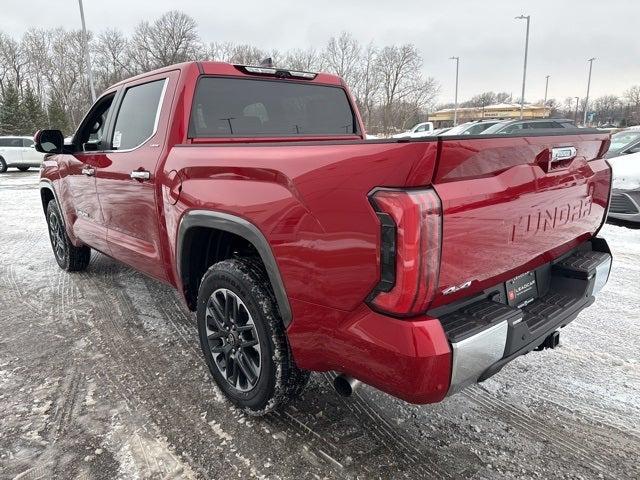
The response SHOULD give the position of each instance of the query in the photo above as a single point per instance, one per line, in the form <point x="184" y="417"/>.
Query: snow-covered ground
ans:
<point x="101" y="377"/>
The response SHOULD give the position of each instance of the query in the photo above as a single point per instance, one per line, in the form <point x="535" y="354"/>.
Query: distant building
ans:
<point x="444" y="117"/>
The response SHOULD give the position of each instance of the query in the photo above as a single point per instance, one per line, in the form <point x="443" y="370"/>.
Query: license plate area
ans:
<point x="522" y="290"/>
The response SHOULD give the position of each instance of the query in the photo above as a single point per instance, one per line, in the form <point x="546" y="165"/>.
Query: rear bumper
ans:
<point x="425" y="359"/>
<point x="485" y="335"/>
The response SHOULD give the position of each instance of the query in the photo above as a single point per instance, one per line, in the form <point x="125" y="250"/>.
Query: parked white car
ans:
<point x="471" y="128"/>
<point x="423" y="129"/>
<point x="18" y="152"/>
<point x="625" y="193"/>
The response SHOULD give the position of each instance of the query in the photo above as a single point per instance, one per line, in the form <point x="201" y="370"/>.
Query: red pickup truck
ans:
<point x="417" y="266"/>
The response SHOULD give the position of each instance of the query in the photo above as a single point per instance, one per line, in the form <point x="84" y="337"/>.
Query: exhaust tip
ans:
<point x="345" y="385"/>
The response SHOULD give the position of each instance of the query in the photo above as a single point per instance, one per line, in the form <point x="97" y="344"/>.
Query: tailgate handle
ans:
<point x="561" y="154"/>
<point x="556" y="158"/>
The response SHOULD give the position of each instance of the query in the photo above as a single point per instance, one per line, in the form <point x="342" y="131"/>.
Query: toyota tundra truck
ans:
<point x="416" y="266"/>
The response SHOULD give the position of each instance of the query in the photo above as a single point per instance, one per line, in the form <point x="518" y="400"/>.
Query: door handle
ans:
<point x="140" y="175"/>
<point x="88" y="171"/>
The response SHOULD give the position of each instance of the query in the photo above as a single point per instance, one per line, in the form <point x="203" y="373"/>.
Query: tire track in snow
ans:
<point x="530" y="425"/>
<point x="136" y="383"/>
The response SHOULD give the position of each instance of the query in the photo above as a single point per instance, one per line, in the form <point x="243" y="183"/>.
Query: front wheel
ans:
<point x="243" y="338"/>
<point x="68" y="256"/>
<point x="3" y="165"/>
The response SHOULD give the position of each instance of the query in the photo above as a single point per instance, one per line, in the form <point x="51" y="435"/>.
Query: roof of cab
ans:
<point x="226" y="69"/>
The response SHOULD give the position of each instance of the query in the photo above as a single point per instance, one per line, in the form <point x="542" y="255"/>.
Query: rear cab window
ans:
<point x="243" y="107"/>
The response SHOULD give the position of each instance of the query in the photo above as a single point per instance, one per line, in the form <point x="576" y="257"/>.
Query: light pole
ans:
<point x="575" y="116"/>
<point x="87" y="57"/>
<point x="524" y="71"/>
<point x="546" y="89"/>
<point x="586" y="99"/>
<point x="455" y="108"/>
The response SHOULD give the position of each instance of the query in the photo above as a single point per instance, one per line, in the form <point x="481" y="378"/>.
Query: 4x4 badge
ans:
<point x="456" y="288"/>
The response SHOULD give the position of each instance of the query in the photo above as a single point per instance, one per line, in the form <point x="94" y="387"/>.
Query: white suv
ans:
<point x="18" y="152"/>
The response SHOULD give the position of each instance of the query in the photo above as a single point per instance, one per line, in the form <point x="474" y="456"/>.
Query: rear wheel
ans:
<point x="3" y="165"/>
<point x="68" y="256"/>
<point x="23" y="169"/>
<point x="243" y="338"/>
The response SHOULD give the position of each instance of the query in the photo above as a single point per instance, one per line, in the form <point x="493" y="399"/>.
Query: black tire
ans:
<point x="3" y="165"/>
<point x="68" y="256"/>
<point x="278" y="379"/>
<point x="23" y="169"/>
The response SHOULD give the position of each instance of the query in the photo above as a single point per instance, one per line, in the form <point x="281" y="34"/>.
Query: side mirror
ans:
<point x="49" y="141"/>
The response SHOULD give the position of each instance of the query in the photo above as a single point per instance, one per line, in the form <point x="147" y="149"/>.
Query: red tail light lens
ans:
<point x="410" y="259"/>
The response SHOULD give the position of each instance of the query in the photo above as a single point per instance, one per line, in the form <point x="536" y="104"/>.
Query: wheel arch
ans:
<point x="47" y="194"/>
<point x="195" y="221"/>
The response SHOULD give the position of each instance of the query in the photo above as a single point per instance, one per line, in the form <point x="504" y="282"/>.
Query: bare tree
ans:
<point x="607" y="108"/>
<point x="342" y="57"/>
<point x="308" y="60"/>
<point x="243" y="54"/>
<point x="403" y="89"/>
<point x="112" y="60"/>
<point x="65" y="73"/>
<point x="13" y="63"/>
<point x="172" y="38"/>
<point x="367" y="87"/>
<point x="633" y="97"/>
<point x="36" y="46"/>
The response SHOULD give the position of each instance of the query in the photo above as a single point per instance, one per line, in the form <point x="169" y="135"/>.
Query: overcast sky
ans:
<point x="484" y="34"/>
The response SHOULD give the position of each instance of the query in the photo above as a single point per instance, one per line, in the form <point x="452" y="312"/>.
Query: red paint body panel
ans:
<point x="503" y="215"/>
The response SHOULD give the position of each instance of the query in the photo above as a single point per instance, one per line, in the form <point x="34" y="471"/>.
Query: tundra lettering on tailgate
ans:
<point x="545" y="220"/>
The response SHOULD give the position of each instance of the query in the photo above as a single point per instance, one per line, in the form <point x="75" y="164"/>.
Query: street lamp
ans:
<point x="546" y="89"/>
<point x="575" y="116"/>
<point x="87" y="57"/>
<point x="455" y="108"/>
<point x="526" y="52"/>
<point x="586" y="99"/>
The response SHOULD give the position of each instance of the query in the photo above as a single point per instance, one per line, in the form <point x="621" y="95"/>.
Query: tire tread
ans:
<point x="290" y="380"/>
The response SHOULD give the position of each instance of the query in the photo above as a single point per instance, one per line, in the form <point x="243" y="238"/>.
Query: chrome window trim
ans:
<point x="155" y="122"/>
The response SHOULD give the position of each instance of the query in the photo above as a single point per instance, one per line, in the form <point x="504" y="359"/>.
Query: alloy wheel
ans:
<point x="56" y="233"/>
<point x="233" y="339"/>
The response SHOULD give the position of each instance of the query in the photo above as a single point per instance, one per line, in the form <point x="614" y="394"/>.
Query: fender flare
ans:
<point x="45" y="184"/>
<point x="245" y="229"/>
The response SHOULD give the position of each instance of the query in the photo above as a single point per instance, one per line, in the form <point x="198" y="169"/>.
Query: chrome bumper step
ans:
<point x="486" y="334"/>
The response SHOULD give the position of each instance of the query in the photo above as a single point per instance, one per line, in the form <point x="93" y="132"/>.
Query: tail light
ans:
<point x="410" y="241"/>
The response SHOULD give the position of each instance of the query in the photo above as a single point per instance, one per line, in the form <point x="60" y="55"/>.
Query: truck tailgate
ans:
<point x="508" y="208"/>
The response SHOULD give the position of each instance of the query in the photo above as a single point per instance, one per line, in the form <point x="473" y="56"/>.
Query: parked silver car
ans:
<point x="18" y="152"/>
<point x="517" y="126"/>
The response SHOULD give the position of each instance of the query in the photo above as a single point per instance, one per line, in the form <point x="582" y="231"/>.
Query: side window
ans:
<point x="513" y="128"/>
<point x="90" y="135"/>
<point x="28" y="142"/>
<point x="10" y="142"/>
<point x="544" y="125"/>
<point x="420" y="128"/>
<point x="138" y="115"/>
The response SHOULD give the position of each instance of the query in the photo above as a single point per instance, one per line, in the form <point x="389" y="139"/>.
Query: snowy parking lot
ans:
<point x="101" y="377"/>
